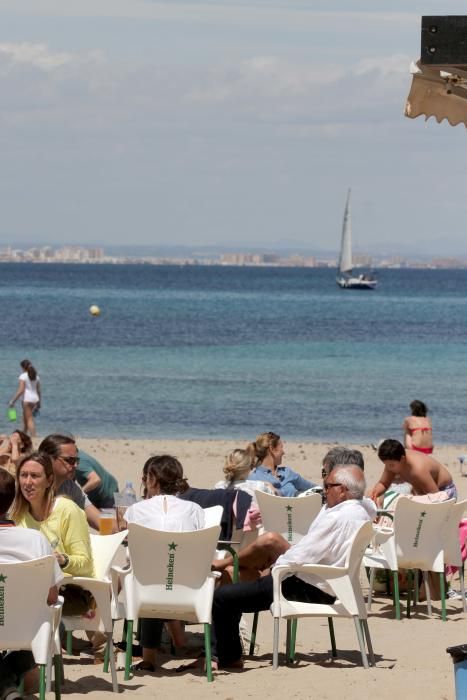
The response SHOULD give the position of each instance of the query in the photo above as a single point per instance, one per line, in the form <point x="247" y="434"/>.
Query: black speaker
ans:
<point x="444" y="40"/>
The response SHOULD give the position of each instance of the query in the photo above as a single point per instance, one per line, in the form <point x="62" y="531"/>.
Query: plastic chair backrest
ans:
<point x="353" y="600"/>
<point x="169" y="571"/>
<point x="419" y="534"/>
<point x="213" y="516"/>
<point x="452" y="548"/>
<point x="25" y="617"/>
<point x="291" y="517"/>
<point x="104" y="549"/>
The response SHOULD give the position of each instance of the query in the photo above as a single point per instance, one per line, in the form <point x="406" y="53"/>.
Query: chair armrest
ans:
<point x="321" y="570"/>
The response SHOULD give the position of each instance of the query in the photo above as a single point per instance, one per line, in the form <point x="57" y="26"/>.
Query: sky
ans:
<point x="237" y="123"/>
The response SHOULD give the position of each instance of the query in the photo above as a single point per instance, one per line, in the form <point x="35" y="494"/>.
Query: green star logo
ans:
<point x="172" y="547"/>
<point x="289" y="508"/>
<point x="3" y="578"/>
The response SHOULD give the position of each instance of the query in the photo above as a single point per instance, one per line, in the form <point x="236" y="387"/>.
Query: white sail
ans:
<point x="345" y="260"/>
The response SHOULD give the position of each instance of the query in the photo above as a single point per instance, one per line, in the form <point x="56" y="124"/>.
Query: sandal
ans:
<point x="143" y="666"/>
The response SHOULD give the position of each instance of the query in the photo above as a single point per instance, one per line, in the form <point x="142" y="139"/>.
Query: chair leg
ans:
<point x="396" y="594"/>
<point x="333" y="637"/>
<point x="58" y="670"/>
<point x="366" y="632"/>
<point x="293" y="639"/>
<point x="207" y="651"/>
<point x="371" y="580"/>
<point x="361" y="642"/>
<point x="42" y="671"/>
<point x="409" y="590"/>
<point x="415" y="588"/>
<point x="69" y="642"/>
<point x="462" y="584"/>
<point x="253" y="634"/>
<point x="109" y="652"/>
<point x="287" y="641"/>
<point x="275" y="646"/>
<point x="129" y="649"/>
<point x="442" y="589"/>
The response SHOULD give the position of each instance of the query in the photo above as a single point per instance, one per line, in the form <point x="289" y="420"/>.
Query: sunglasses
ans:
<point x="70" y="460"/>
<point x="326" y="487"/>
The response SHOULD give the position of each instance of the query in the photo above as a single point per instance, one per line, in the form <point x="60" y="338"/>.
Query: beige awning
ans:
<point x="438" y="91"/>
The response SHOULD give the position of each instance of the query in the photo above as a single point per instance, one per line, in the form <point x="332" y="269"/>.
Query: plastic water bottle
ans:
<point x="129" y="494"/>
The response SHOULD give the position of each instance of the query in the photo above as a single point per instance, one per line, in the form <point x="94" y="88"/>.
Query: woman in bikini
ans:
<point x="417" y="429"/>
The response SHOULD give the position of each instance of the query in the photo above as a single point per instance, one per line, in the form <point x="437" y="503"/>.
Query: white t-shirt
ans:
<point x="30" y="394"/>
<point x="167" y="513"/>
<point x="21" y="544"/>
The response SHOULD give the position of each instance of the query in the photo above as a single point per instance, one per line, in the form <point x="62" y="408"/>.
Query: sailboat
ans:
<point x="346" y="279"/>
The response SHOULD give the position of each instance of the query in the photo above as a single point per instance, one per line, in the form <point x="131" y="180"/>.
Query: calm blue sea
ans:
<point x="227" y="352"/>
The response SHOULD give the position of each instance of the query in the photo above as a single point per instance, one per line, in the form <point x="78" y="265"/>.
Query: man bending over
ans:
<point x="423" y="472"/>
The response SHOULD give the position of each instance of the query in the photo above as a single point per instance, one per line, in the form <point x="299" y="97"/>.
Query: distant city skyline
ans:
<point x="225" y="124"/>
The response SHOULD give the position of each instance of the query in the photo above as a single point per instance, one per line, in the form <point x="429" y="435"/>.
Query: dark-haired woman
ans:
<point x="418" y="434"/>
<point x="29" y="389"/>
<point x="161" y="509"/>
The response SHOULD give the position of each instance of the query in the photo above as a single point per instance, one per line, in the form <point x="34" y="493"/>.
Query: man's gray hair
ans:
<point x="344" y="456"/>
<point x="352" y="479"/>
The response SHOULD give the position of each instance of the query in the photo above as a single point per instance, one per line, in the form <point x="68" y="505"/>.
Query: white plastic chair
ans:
<point x="291" y="517"/>
<point x="417" y="543"/>
<point x="28" y="622"/>
<point x="346" y="585"/>
<point x="174" y="583"/>
<point x="104" y="549"/>
<point x="452" y="549"/>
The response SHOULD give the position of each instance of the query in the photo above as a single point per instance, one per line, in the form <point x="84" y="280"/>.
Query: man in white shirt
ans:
<point x="19" y="544"/>
<point x="327" y="542"/>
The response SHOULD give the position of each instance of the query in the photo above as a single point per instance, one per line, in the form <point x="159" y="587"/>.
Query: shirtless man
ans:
<point x="423" y="472"/>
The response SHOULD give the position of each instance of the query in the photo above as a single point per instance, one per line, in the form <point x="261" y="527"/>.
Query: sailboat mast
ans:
<point x="345" y="260"/>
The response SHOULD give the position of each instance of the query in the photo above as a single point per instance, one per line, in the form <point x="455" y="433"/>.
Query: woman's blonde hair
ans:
<point x="20" y="504"/>
<point x="260" y="448"/>
<point x="238" y="464"/>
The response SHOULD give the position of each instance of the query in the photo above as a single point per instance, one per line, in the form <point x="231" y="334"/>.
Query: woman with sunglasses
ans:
<point x="36" y="506"/>
<point x="267" y="452"/>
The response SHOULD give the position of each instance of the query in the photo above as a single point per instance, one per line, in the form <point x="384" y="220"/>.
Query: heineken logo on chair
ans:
<point x="419" y="527"/>
<point x="169" y="581"/>
<point x="2" y="600"/>
<point x="289" y="523"/>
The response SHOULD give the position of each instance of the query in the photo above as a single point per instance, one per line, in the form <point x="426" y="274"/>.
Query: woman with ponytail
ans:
<point x="29" y="389"/>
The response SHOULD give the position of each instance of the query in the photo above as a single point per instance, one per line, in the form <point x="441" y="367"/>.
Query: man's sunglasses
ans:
<point x="70" y="460"/>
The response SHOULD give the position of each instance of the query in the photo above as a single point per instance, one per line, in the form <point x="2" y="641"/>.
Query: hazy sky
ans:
<point x="223" y="122"/>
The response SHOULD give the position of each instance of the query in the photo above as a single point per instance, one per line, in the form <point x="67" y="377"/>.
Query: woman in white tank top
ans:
<point x="29" y="389"/>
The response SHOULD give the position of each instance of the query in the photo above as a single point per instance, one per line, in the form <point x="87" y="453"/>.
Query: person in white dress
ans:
<point x="161" y="510"/>
<point x="29" y="389"/>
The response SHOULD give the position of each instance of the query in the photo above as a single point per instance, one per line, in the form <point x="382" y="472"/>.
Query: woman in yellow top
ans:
<point x="60" y="520"/>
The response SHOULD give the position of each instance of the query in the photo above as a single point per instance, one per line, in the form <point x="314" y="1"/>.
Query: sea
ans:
<point x="216" y="352"/>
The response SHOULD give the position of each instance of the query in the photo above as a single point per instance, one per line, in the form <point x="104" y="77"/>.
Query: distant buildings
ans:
<point x="82" y="254"/>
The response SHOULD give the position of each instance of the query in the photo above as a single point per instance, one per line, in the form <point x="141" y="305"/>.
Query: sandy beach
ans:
<point x="410" y="654"/>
